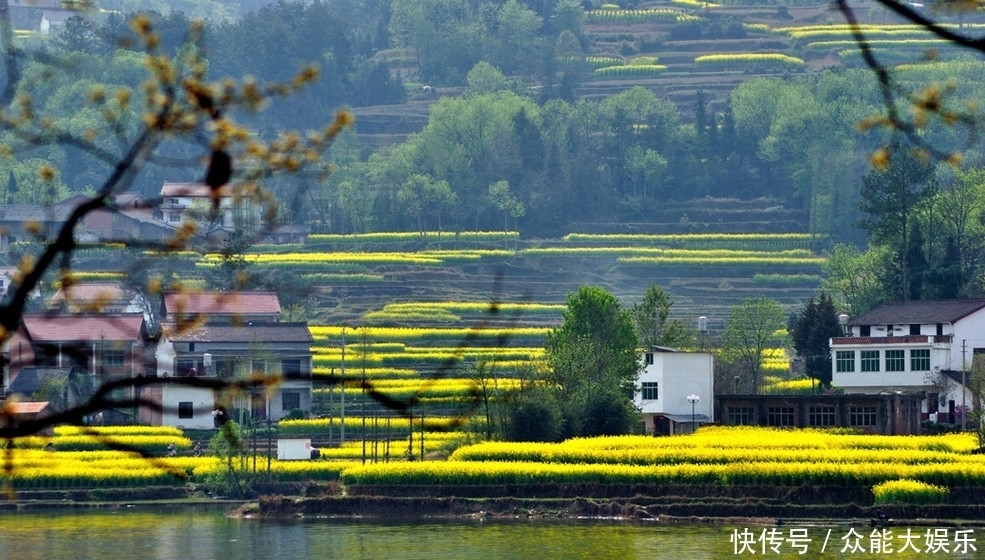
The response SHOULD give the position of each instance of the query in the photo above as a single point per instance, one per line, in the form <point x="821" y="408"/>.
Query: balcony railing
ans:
<point x="880" y="340"/>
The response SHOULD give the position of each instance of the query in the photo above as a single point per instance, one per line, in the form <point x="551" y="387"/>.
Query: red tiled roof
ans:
<point x="189" y="189"/>
<point x="221" y="303"/>
<point x="92" y="291"/>
<point x="26" y="407"/>
<point x="93" y="328"/>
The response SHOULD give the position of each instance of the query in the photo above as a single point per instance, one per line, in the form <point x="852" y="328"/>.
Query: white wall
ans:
<point x="165" y="357"/>
<point x="203" y="403"/>
<point x="678" y="375"/>
<point x="971" y="331"/>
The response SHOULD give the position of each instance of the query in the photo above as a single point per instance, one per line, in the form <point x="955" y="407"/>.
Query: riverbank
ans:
<point x="768" y="505"/>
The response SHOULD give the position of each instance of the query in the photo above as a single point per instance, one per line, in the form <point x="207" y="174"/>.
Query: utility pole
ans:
<point x="964" y="383"/>
<point x="342" y="397"/>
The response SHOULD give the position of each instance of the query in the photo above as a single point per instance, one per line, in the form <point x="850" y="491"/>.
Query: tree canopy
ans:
<point x="753" y="327"/>
<point x="593" y="353"/>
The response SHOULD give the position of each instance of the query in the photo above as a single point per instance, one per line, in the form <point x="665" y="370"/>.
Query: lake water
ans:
<point x="183" y="533"/>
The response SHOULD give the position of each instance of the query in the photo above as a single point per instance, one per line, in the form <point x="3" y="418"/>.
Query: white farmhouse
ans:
<point x="914" y="347"/>
<point x="675" y="391"/>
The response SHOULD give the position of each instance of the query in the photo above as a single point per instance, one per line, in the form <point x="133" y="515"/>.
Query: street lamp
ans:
<point x="693" y="399"/>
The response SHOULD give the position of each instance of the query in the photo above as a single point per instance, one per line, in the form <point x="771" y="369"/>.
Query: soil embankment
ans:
<point x="667" y="503"/>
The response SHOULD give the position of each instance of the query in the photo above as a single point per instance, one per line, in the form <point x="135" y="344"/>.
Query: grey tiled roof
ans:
<point x="920" y="312"/>
<point x="257" y="332"/>
<point x="34" y="212"/>
<point x="30" y="379"/>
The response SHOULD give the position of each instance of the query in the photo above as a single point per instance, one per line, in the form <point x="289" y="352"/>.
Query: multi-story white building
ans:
<point x="675" y="390"/>
<point x="213" y="210"/>
<point x="913" y="347"/>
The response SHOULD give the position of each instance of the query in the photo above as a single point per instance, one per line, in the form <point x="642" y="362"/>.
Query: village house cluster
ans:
<point x="896" y="368"/>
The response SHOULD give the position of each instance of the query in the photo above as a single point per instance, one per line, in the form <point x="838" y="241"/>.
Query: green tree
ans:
<point x="645" y="168"/>
<point x="753" y="326"/>
<point x="593" y="351"/>
<point x="516" y="34"/>
<point x="535" y="415"/>
<point x="485" y="78"/>
<point x="960" y="211"/>
<point x="509" y="205"/>
<point x="422" y="195"/>
<point x="852" y="278"/>
<point x="890" y="198"/>
<point x="651" y="319"/>
<point x="812" y="331"/>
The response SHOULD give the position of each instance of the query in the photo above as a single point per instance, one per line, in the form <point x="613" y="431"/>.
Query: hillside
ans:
<point x="385" y="124"/>
<point x="545" y="271"/>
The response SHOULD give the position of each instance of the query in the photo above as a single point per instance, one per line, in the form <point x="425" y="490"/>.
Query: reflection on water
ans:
<point x="183" y="533"/>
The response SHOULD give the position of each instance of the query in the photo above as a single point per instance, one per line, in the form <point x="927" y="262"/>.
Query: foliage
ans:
<point x="654" y="327"/>
<point x="752" y="327"/>
<point x="811" y="333"/>
<point x="232" y="479"/>
<point x="853" y="279"/>
<point x="891" y="196"/>
<point x="594" y="352"/>
<point x="535" y="415"/>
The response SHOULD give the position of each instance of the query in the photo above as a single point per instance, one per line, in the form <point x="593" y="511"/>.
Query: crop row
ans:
<point x="631" y="70"/>
<point x="697" y="260"/>
<point x="878" y="44"/>
<point x="357" y="354"/>
<point x="35" y="469"/>
<point x="326" y="334"/>
<point x="405" y="236"/>
<point x="745" y="59"/>
<point x="668" y="252"/>
<point x="305" y="261"/>
<point x="144" y="439"/>
<point x="909" y="492"/>
<point x="395" y="425"/>
<point x="548" y="453"/>
<point x="745" y="473"/>
<point x="406" y="388"/>
<point x="476" y="307"/>
<point x="638" y="16"/>
<point x="748" y="241"/>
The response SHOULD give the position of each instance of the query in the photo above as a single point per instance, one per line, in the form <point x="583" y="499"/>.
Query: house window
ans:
<point x="649" y="390"/>
<point x="291" y="368"/>
<point x="845" y="360"/>
<point x="290" y="400"/>
<point x="184" y="410"/>
<point x="895" y="360"/>
<point x="862" y="416"/>
<point x="920" y="360"/>
<point x="869" y="360"/>
<point x="779" y="416"/>
<point x="865" y="330"/>
<point x="821" y="415"/>
<point x="915" y="329"/>
<point x="112" y="357"/>
<point x="741" y="415"/>
<point x="184" y="368"/>
<point x="649" y="358"/>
